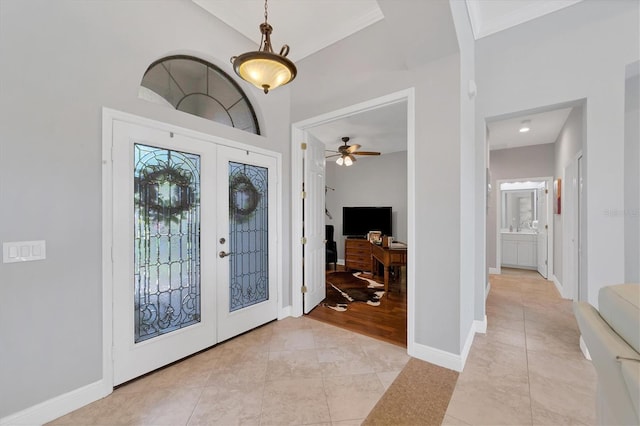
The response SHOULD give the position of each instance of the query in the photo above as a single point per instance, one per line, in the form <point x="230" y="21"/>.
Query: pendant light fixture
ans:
<point x="263" y="68"/>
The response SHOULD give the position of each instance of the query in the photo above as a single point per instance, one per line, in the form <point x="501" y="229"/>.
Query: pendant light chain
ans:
<point x="265" y="11"/>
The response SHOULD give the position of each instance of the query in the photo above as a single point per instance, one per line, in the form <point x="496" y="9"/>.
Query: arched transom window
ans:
<point x="198" y="87"/>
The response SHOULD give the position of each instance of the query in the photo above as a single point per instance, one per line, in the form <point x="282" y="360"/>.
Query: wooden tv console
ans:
<point x="357" y="254"/>
<point x="361" y="255"/>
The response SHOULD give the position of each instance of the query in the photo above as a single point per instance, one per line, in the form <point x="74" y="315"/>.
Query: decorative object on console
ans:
<point x="375" y="237"/>
<point x="263" y="68"/>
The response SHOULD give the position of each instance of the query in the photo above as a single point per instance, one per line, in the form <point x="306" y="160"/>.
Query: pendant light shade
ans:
<point x="263" y="68"/>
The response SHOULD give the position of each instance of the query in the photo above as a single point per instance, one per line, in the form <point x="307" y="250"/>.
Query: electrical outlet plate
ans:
<point x="24" y="251"/>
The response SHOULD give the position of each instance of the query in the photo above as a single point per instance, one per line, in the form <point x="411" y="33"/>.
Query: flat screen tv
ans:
<point x="358" y="221"/>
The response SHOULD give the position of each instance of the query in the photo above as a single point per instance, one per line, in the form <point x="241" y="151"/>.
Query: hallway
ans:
<point x="528" y="368"/>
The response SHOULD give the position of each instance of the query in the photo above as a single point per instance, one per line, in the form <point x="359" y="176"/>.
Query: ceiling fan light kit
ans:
<point x="263" y="68"/>
<point x="346" y="153"/>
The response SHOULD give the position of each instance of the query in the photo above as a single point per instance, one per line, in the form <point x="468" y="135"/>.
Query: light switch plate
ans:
<point x="24" y="251"/>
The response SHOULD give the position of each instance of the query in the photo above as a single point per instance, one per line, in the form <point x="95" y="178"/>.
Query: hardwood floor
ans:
<point x="387" y="322"/>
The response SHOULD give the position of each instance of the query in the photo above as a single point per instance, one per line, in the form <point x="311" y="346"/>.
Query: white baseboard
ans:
<point x="284" y="312"/>
<point x="558" y="285"/>
<point x="467" y="345"/>
<point x="436" y="356"/>
<point x="447" y="359"/>
<point x="58" y="406"/>
<point x="584" y="349"/>
<point x="480" y="326"/>
<point x="494" y="271"/>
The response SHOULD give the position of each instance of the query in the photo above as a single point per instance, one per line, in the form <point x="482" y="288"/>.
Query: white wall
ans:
<point x="579" y="52"/>
<point x="514" y="163"/>
<point x="371" y="181"/>
<point x="472" y="278"/>
<point x="567" y="146"/>
<point x="632" y="180"/>
<point x="436" y="237"/>
<point x="60" y="63"/>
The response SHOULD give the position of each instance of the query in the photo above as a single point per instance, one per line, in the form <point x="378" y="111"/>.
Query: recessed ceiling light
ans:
<point x="525" y="126"/>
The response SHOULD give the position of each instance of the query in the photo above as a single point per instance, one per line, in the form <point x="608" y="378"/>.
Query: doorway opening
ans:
<point x="524" y="225"/>
<point x="301" y="132"/>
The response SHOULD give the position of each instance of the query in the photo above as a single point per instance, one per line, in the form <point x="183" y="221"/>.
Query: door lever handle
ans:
<point x="224" y="254"/>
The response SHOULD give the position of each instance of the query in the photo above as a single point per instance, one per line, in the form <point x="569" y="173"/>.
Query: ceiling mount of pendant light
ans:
<point x="263" y="68"/>
<point x="526" y="126"/>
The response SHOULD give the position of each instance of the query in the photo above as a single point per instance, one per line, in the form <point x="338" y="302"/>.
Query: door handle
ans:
<point x="223" y="254"/>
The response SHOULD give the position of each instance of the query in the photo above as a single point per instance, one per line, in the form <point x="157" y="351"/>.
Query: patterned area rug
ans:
<point x="344" y="288"/>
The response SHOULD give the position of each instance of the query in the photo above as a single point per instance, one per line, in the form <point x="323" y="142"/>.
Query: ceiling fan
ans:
<point x="346" y="153"/>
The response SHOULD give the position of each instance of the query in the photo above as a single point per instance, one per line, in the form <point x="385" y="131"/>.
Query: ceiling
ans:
<point x="383" y="129"/>
<point x="545" y="128"/>
<point x="491" y="16"/>
<point x="307" y="26"/>
<point x="310" y="26"/>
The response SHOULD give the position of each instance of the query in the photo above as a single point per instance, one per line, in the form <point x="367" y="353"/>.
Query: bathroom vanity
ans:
<point x="519" y="249"/>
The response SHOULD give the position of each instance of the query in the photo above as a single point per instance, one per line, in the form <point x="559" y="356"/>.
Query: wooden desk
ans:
<point x="387" y="257"/>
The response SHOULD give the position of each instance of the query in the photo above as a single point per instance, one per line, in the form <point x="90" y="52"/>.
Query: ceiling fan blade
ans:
<point x="333" y="155"/>
<point x="366" y="153"/>
<point x="353" y="148"/>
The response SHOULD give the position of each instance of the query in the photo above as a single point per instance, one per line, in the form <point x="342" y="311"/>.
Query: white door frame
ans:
<point x="573" y="282"/>
<point x="108" y="117"/>
<point x="549" y="181"/>
<point x="298" y="131"/>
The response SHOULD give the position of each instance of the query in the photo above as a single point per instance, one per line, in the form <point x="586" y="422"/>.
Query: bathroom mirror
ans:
<point x="519" y="209"/>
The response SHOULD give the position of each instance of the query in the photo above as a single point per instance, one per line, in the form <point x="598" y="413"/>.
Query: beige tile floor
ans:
<point x="295" y="371"/>
<point x="527" y="369"/>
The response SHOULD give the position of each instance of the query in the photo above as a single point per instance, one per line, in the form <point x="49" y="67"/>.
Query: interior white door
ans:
<point x="163" y="248"/>
<point x="247" y="240"/>
<point x="543" y="230"/>
<point x="313" y="219"/>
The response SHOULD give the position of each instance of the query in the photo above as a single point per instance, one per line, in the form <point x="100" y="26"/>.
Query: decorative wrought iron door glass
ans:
<point x="166" y="241"/>
<point x="248" y="235"/>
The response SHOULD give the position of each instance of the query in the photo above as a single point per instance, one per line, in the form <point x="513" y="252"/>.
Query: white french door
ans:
<point x="314" y="223"/>
<point x="247" y="238"/>
<point x="178" y="204"/>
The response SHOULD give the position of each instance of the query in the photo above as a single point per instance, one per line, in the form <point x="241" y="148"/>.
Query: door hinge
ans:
<point x="546" y="191"/>
<point x="546" y="227"/>
<point x="303" y="195"/>
<point x="303" y="146"/>
<point x="303" y="240"/>
<point x="303" y="289"/>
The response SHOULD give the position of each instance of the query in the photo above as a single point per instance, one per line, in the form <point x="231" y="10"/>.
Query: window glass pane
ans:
<point x="166" y="241"/>
<point x="248" y="235"/>
<point x="200" y="88"/>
